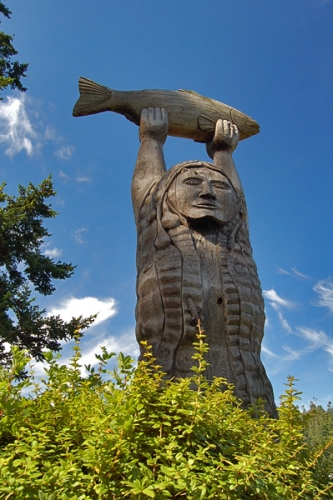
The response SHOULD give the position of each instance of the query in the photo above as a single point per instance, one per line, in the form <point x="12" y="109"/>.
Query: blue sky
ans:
<point x="271" y="60"/>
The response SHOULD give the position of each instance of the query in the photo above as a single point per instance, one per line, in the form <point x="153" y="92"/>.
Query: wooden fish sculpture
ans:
<point x="191" y="115"/>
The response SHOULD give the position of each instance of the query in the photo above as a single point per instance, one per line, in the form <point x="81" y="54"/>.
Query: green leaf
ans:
<point x="149" y="492"/>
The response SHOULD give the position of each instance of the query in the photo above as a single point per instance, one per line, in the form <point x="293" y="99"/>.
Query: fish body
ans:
<point x="191" y="115"/>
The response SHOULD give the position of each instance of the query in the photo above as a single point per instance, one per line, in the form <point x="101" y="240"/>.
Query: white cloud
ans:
<point x="63" y="176"/>
<point x="329" y="349"/>
<point x="78" y="235"/>
<point x="65" y="152"/>
<point x="284" y="323"/>
<point x="324" y="289"/>
<point x="276" y="301"/>
<point x="317" y="340"/>
<point x="51" y="134"/>
<point x="79" y="178"/>
<point x="53" y="253"/>
<point x="125" y="343"/>
<point x="72" y="307"/>
<point x="82" y="179"/>
<point x="267" y="351"/>
<point x="283" y="271"/>
<point x="295" y="273"/>
<point x="292" y="354"/>
<point x="313" y="340"/>
<point x="299" y="274"/>
<point x="16" y="130"/>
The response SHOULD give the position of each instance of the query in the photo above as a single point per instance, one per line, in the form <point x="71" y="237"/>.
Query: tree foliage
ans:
<point x="24" y="267"/>
<point x="318" y="432"/>
<point x="11" y="72"/>
<point x="128" y="433"/>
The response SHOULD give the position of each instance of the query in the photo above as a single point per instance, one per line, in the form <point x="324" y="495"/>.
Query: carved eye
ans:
<point x="220" y="185"/>
<point x="192" y="181"/>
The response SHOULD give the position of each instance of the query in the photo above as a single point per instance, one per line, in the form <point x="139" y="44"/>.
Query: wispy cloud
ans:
<point x="51" y="134"/>
<point x="16" y="130"/>
<point x="267" y="351"/>
<point x="276" y="301"/>
<point x="65" y="152"/>
<point x="310" y="339"/>
<point x="317" y="340"/>
<point x="82" y="179"/>
<point x="78" y="235"/>
<point x="53" y="253"/>
<point x="313" y="341"/>
<point x="63" y="176"/>
<point x="292" y="354"/>
<point x="87" y="306"/>
<point x="284" y="323"/>
<point x="79" y="178"/>
<point x="324" y="289"/>
<point x="294" y="272"/>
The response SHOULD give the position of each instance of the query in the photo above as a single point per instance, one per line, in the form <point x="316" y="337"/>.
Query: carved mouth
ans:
<point x="205" y="205"/>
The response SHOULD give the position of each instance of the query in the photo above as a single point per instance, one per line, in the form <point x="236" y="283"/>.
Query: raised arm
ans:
<point x="150" y="164"/>
<point x="222" y="146"/>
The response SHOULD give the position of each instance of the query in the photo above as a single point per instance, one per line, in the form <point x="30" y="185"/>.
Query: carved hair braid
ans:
<point x="181" y="294"/>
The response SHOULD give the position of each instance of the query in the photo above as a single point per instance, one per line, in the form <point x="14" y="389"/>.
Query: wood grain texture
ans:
<point x="191" y="115"/>
<point x="208" y="272"/>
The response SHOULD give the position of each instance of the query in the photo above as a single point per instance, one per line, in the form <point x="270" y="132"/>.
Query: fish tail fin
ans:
<point x="94" y="98"/>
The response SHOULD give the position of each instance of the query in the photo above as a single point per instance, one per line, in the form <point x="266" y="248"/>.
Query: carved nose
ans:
<point x="207" y="191"/>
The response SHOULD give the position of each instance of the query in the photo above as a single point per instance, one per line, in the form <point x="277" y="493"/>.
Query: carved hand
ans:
<point x="226" y="138"/>
<point x="154" y="124"/>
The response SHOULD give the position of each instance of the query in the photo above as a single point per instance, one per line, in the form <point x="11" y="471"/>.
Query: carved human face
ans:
<point x="197" y="193"/>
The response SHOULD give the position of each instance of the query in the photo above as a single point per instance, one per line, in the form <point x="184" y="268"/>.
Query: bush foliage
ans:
<point x="128" y="433"/>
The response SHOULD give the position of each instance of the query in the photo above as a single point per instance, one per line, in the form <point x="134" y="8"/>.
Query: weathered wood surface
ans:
<point x="190" y="115"/>
<point x="194" y="260"/>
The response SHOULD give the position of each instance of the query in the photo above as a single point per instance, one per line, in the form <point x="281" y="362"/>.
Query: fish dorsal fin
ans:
<point x="189" y="91"/>
<point x="87" y="86"/>
<point x="206" y="124"/>
<point x="195" y="94"/>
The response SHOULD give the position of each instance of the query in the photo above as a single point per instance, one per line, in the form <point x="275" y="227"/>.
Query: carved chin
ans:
<point x="209" y="213"/>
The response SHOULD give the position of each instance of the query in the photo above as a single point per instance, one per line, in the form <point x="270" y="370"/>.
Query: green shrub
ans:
<point x="318" y="435"/>
<point x="128" y="433"/>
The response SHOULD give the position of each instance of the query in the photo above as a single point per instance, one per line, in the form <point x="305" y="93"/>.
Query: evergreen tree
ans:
<point x="11" y="72"/>
<point x="318" y="433"/>
<point x="23" y="266"/>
